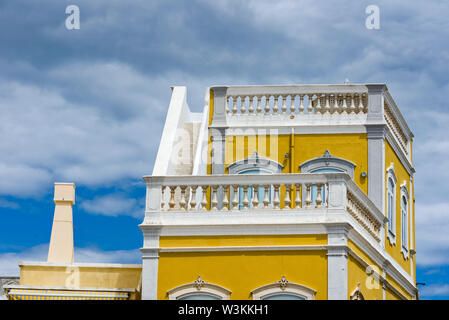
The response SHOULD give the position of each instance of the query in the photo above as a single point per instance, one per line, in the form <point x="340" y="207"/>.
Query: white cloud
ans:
<point x="434" y="290"/>
<point x="9" y="261"/>
<point x="432" y="236"/>
<point x="113" y="205"/>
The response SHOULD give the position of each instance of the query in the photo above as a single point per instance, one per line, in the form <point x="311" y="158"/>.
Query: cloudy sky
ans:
<point x="88" y="105"/>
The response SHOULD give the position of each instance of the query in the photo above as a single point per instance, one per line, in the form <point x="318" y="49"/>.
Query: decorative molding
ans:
<point x="283" y="286"/>
<point x="255" y="162"/>
<point x="357" y="293"/>
<point x="199" y="286"/>
<point x="328" y="161"/>
<point x="391" y="233"/>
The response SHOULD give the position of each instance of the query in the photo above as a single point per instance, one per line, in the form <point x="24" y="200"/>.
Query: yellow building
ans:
<point x="278" y="192"/>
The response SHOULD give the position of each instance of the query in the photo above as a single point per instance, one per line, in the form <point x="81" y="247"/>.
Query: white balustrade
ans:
<point x="277" y="193"/>
<point x="288" y="104"/>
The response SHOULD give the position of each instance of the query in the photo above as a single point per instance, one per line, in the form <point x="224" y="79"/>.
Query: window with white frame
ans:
<point x="254" y="165"/>
<point x="199" y="290"/>
<point x="404" y="219"/>
<point x="391" y="204"/>
<point x="326" y="163"/>
<point x="283" y="290"/>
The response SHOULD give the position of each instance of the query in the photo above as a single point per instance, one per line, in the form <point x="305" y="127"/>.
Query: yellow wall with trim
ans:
<point x="73" y="276"/>
<point x="401" y="175"/>
<point x="241" y="272"/>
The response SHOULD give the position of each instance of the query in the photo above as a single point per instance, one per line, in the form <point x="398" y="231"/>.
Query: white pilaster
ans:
<point x="337" y="263"/>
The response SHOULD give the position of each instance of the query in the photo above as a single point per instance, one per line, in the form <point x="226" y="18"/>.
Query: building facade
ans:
<point x="282" y="192"/>
<point x="271" y="192"/>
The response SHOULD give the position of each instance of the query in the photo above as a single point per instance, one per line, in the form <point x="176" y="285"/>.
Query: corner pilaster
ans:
<point x="337" y="262"/>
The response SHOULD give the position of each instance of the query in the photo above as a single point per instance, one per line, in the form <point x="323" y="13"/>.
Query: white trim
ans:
<point x="405" y="247"/>
<point x="391" y="232"/>
<point x="328" y="161"/>
<point x="283" y="286"/>
<point x="199" y="287"/>
<point x="248" y="248"/>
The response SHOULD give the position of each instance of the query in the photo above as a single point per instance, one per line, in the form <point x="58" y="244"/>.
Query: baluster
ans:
<point x="234" y="105"/>
<point x="163" y="198"/>
<point x="193" y="201"/>
<point x="319" y="198"/>
<point x="344" y="107"/>
<point x="275" y="104"/>
<point x="276" y="200"/>
<point x="309" y="104"/>
<point x="255" y="200"/>
<point x="284" y="105"/>
<point x="204" y="198"/>
<point x="360" y="106"/>
<point x="267" y="105"/>
<point x="327" y="106"/>
<point x="245" y="201"/>
<point x="171" y="203"/>
<point x="214" y="201"/>
<point x="266" y="199"/>
<point x="298" y="196"/>
<point x="227" y="105"/>
<point x="301" y="105"/>
<point x="183" y="201"/>
<point x="242" y="105"/>
<point x="259" y="108"/>
<point x="333" y="103"/>
<point x="225" y="202"/>
<point x="365" y="99"/>
<point x="287" y="201"/>
<point x="292" y="104"/>
<point x="235" y="201"/>
<point x="251" y="103"/>
<point x="308" y="195"/>
<point x="352" y="107"/>
<point x="318" y="103"/>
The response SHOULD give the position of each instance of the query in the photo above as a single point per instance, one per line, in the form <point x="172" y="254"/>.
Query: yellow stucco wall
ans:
<point x="73" y="276"/>
<point x="242" y="272"/>
<point x="371" y="289"/>
<point x="401" y="175"/>
<point x="352" y="147"/>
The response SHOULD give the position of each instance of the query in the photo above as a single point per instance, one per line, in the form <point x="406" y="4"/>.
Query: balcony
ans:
<point x="281" y="198"/>
<point x="311" y="105"/>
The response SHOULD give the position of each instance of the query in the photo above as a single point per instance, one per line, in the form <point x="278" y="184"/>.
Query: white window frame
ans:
<point x="199" y="286"/>
<point x="283" y="286"/>
<point x="253" y="163"/>
<point x="404" y="220"/>
<point x="391" y="224"/>
<point x="328" y="161"/>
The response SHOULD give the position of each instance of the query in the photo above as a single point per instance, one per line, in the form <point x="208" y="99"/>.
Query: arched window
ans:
<point x="326" y="163"/>
<point x="199" y="290"/>
<point x="404" y="219"/>
<point x="254" y="165"/>
<point x="283" y="290"/>
<point x="391" y="204"/>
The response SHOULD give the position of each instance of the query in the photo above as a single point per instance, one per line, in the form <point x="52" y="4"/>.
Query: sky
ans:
<point x="88" y="105"/>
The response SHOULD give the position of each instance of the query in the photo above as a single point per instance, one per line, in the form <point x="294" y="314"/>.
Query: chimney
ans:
<point x="61" y="241"/>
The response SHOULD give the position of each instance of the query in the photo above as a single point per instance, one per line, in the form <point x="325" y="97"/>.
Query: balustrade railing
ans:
<point x="291" y="104"/>
<point x="278" y="193"/>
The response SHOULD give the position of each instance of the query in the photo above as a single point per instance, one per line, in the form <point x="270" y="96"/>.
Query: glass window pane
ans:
<point x="199" y="297"/>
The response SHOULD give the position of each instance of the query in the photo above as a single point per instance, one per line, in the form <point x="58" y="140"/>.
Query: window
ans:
<point x="260" y="191"/>
<point x="199" y="290"/>
<point x="404" y="220"/>
<point x="254" y="165"/>
<point x="391" y="204"/>
<point x="326" y="163"/>
<point x="283" y="290"/>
